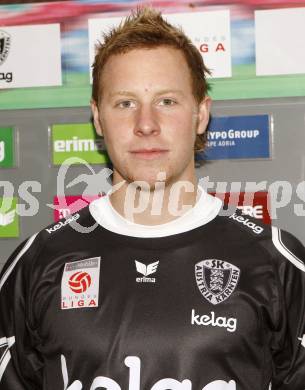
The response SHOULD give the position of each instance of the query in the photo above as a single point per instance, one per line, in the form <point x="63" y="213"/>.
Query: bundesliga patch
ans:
<point x="80" y="284"/>
<point x="216" y="279"/>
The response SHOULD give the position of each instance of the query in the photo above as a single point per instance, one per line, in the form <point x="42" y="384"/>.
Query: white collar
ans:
<point x="206" y="209"/>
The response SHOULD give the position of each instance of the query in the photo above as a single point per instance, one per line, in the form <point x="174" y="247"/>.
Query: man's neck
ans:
<point x="156" y="206"/>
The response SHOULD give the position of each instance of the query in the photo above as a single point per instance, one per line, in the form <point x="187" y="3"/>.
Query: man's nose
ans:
<point x="146" y="122"/>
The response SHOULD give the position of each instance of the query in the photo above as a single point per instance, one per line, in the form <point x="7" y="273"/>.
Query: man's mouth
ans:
<point x="149" y="154"/>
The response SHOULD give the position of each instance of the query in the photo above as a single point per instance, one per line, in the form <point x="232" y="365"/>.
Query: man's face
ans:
<point x="148" y="115"/>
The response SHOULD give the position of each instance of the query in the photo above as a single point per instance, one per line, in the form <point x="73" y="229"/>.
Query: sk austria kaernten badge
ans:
<point x="216" y="279"/>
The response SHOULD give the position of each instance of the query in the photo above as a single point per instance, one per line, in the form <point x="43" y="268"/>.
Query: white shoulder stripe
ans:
<point x="277" y="241"/>
<point x="7" y="343"/>
<point x="64" y="371"/>
<point x="12" y="266"/>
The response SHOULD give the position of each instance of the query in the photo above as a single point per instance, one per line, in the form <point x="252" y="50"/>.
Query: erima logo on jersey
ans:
<point x="206" y="320"/>
<point x="80" y="284"/>
<point x="216" y="279"/>
<point x="245" y="221"/>
<point x="146" y="270"/>
<point x="134" y="365"/>
<point x="61" y="223"/>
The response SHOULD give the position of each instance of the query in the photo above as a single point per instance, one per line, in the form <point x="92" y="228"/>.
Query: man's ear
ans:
<point x="96" y="118"/>
<point x="204" y="114"/>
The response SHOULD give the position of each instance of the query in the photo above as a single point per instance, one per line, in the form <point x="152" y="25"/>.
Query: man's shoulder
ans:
<point x="238" y="222"/>
<point x="280" y="245"/>
<point x="66" y="224"/>
<point x="73" y="228"/>
<point x="53" y="238"/>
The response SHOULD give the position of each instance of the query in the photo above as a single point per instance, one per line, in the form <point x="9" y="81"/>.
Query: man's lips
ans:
<point x="149" y="154"/>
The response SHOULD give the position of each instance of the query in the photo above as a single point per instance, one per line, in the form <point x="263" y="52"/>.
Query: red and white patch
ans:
<point x="80" y="284"/>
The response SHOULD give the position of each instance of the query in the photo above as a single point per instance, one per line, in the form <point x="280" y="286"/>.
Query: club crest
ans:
<point x="5" y="44"/>
<point x="216" y="279"/>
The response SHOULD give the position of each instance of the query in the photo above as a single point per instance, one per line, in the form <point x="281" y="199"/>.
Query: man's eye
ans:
<point x="126" y="104"/>
<point x="167" y="102"/>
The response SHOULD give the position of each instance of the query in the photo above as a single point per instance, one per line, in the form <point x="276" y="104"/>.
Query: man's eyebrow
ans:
<point x="133" y="94"/>
<point x="122" y="93"/>
<point x="174" y="91"/>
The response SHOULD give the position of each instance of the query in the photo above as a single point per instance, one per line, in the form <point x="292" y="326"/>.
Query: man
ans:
<point x="165" y="294"/>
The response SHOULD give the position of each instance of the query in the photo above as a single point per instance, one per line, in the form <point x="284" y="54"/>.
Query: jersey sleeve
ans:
<point x="288" y="344"/>
<point x="20" y="363"/>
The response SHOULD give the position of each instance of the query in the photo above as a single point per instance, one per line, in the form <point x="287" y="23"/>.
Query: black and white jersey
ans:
<point x="218" y="307"/>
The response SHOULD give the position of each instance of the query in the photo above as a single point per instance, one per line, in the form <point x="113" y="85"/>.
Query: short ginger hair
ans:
<point x="145" y="28"/>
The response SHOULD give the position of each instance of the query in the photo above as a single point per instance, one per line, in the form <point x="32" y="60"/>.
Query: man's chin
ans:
<point x="148" y="179"/>
<point x="144" y="183"/>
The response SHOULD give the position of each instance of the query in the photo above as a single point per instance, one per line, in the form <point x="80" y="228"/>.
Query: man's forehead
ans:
<point x="143" y="58"/>
<point x="150" y="72"/>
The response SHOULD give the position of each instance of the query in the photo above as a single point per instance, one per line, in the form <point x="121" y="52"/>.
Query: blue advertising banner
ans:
<point x="237" y="137"/>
